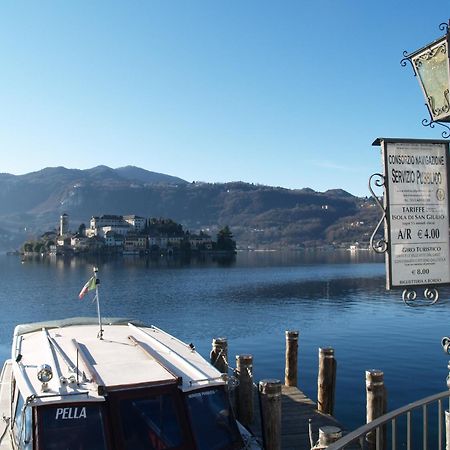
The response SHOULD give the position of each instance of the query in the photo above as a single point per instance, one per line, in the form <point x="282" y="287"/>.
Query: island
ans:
<point x="129" y="235"/>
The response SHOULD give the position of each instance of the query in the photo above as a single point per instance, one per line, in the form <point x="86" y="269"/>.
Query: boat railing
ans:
<point x="416" y="425"/>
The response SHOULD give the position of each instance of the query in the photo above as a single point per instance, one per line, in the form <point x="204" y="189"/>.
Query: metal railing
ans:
<point x="400" y="429"/>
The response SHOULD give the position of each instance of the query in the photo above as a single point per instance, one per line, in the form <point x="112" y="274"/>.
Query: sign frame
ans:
<point x="409" y="254"/>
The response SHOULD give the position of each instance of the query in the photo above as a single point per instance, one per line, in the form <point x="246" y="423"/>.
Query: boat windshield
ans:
<point x="71" y="427"/>
<point x="150" y="422"/>
<point x="213" y="423"/>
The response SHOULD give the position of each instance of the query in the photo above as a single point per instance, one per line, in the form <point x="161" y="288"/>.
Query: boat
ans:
<point x="70" y="385"/>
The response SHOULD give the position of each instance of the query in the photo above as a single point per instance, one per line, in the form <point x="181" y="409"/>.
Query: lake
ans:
<point x="335" y="299"/>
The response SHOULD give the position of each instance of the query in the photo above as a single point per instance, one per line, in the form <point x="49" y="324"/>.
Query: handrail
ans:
<point x="164" y="350"/>
<point x="384" y="419"/>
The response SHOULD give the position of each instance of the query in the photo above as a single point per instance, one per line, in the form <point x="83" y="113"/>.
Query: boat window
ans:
<point x="71" y="427"/>
<point x="22" y="429"/>
<point x="150" y="422"/>
<point x="213" y="423"/>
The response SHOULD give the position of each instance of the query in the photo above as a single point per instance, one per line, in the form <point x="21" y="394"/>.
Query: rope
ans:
<point x="224" y="357"/>
<point x="6" y="420"/>
<point x="233" y="382"/>
<point x="22" y="434"/>
<point x="249" y="440"/>
<point x="220" y="355"/>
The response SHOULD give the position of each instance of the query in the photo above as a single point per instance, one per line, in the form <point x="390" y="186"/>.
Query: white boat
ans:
<point x="129" y="387"/>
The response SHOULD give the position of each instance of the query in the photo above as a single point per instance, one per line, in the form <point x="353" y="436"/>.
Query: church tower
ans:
<point x="63" y="224"/>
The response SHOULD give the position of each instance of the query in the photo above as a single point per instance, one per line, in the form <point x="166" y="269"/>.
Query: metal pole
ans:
<point x="447" y="430"/>
<point x="375" y="407"/>
<point x="97" y="282"/>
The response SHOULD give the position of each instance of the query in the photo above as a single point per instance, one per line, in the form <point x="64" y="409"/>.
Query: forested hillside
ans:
<point x="259" y="216"/>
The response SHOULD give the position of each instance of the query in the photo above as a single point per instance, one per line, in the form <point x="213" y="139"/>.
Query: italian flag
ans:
<point x="89" y="286"/>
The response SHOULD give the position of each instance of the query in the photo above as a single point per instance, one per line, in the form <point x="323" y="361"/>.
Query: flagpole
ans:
<point x="97" y="282"/>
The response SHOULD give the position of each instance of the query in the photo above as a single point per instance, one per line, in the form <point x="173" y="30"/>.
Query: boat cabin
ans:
<point x="135" y="388"/>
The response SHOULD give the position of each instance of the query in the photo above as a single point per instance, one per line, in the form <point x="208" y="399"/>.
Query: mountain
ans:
<point x="259" y="216"/>
<point x="145" y="176"/>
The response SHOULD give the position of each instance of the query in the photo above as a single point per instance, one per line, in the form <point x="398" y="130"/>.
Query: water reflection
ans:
<point x="338" y="290"/>
<point x="280" y="258"/>
<point x="149" y="261"/>
<point x="242" y="259"/>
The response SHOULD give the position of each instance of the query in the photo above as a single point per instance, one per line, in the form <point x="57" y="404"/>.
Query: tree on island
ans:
<point x="28" y="247"/>
<point x="225" y="240"/>
<point x="38" y="247"/>
<point x="82" y="229"/>
<point x="163" y="226"/>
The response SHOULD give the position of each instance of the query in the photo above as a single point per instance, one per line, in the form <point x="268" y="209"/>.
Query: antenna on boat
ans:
<point x="97" y="282"/>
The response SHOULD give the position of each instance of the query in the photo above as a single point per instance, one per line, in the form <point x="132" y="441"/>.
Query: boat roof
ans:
<point x="86" y="368"/>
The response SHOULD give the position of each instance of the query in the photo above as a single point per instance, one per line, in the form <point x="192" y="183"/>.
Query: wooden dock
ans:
<point x="296" y="410"/>
<point x="284" y="405"/>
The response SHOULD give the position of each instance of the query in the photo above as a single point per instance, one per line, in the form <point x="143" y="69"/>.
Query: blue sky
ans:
<point x="286" y="93"/>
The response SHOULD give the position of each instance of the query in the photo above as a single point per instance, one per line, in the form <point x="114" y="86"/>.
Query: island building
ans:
<point x="125" y="234"/>
<point x="63" y="224"/>
<point x="138" y="223"/>
<point x="114" y="240"/>
<point x="107" y="220"/>
<point x="135" y="243"/>
<point x="201" y="241"/>
<point x="123" y="225"/>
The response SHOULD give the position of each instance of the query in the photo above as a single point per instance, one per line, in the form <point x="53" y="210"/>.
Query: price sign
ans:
<point x="417" y="212"/>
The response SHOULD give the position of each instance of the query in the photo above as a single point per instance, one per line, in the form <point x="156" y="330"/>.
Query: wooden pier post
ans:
<point x="376" y="404"/>
<point x="270" y="398"/>
<point x="290" y="373"/>
<point x="244" y="391"/>
<point x="219" y="354"/>
<point x="328" y="434"/>
<point x="326" y="380"/>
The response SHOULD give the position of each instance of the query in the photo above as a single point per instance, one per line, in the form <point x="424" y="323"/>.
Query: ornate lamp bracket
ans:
<point x="430" y="123"/>
<point x="407" y="58"/>
<point x="409" y="295"/>
<point x="430" y="297"/>
<point x="380" y="245"/>
<point x="444" y="26"/>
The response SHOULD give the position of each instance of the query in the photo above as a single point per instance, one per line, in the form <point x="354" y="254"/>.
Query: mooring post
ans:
<point x="328" y="434"/>
<point x="376" y="405"/>
<point x="326" y="380"/>
<point x="244" y="390"/>
<point x="290" y="372"/>
<point x="219" y="354"/>
<point x="270" y="398"/>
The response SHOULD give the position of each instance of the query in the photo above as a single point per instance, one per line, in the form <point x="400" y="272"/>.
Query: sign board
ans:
<point x="417" y="212"/>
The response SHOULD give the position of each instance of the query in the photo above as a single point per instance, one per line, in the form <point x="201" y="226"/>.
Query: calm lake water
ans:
<point x="333" y="299"/>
